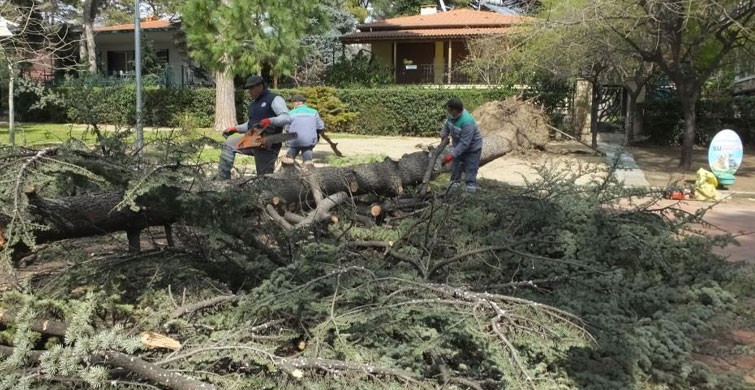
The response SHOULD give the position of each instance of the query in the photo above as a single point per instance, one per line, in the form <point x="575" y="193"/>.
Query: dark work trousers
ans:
<point x="264" y="159"/>
<point x="468" y="163"/>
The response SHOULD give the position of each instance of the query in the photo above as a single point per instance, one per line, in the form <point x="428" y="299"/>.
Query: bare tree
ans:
<point x="486" y="61"/>
<point x="567" y="45"/>
<point x="33" y="41"/>
<point x="688" y="40"/>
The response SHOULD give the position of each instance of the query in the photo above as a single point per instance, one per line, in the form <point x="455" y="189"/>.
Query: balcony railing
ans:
<point x="171" y="76"/>
<point x="426" y="74"/>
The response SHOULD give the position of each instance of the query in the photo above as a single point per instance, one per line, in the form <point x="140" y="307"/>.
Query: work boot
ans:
<point x="285" y="160"/>
<point x="453" y="186"/>
<point x="471" y="188"/>
<point x="309" y="165"/>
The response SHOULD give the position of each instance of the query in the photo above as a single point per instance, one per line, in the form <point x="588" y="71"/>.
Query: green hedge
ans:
<point x="409" y="111"/>
<point x="164" y="107"/>
<point x="664" y="123"/>
<point x="384" y="111"/>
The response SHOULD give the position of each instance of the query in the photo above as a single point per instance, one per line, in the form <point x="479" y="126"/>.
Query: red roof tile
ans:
<point x="439" y="33"/>
<point x="145" y="25"/>
<point x="451" y="19"/>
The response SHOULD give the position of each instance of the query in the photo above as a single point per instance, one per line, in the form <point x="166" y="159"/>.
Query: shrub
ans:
<point x="361" y="70"/>
<point x="337" y="116"/>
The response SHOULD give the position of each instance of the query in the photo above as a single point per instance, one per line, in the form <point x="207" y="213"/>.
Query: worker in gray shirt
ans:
<point x="268" y="111"/>
<point x="307" y="125"/>
<point x="467" y="145"/>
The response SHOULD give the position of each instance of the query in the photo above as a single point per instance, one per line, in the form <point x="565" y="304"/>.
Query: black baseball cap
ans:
<point x="298" y="98"/>
<point x="253" y="80"/>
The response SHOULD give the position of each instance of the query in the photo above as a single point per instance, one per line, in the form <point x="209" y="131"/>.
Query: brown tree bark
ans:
<point x="595" y="112"/>
<point x="225" y="100"/>
<point x="689" y="103"/>
<point x="95" y="214"/>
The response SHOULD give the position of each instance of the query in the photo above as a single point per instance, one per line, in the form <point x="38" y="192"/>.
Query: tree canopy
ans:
<point x="244" y="35"/>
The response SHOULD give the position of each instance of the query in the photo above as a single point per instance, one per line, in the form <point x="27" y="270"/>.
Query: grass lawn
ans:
<point x="34" y="134"/>
<point x="346" y="161"/>
<point x="39" y="134"/>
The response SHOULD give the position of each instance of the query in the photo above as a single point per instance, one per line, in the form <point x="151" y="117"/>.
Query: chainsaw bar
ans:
<point x="268" y="140"/>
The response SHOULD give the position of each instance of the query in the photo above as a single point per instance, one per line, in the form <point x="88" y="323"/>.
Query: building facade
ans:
<point x="115" y="51"/>
<point x="428" y="48"/>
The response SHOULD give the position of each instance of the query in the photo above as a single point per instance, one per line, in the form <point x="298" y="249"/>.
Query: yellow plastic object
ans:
<point x="705" y="186"/>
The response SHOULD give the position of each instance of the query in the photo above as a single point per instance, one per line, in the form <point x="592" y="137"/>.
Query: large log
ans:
<point x="94" y="214"/>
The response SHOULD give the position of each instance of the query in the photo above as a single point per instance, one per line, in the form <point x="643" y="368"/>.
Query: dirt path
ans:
<point x="512" y="168"/>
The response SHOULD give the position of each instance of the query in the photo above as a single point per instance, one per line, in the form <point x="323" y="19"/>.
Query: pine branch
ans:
<point x="45" y="326"/>
<point x="207" y="303"/>
<point x="132" y="364"/>
<point x="431" y="165"/>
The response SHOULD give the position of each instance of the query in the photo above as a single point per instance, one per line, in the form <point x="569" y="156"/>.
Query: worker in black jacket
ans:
<point x="269" y="112"/>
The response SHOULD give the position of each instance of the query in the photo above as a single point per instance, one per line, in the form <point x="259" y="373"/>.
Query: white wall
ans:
<point x="124" y="41"/>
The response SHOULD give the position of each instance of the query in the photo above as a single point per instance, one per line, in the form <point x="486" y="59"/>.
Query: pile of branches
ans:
<point x="371" y="276"/>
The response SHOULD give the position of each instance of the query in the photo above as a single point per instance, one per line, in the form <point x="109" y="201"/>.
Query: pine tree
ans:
<point x="239" y="37"/>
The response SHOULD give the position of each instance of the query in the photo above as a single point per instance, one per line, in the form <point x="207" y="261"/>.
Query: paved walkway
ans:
<point x="736" y="216"/>
<point x="627" y="170"/>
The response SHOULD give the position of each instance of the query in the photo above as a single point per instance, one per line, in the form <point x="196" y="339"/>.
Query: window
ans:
<point x="121" y="63"/>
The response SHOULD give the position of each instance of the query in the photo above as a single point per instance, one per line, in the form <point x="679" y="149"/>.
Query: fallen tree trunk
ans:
<point x="96" y="214"/>
<point x="93" y="214"/>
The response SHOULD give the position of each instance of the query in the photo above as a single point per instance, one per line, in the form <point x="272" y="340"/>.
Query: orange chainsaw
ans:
<point x="255" y="138"/>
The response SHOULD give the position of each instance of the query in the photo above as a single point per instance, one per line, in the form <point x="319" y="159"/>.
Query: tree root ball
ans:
<point x="520" y="124"/>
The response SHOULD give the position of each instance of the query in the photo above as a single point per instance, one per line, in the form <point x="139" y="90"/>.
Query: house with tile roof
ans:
<point x="428" y="48"/>
<point x="115" y="50"/>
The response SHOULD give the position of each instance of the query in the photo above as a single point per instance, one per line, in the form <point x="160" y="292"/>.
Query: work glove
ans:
<point x="448" y="159"/>
<point x="264" y="123"/>
<point x="228" y="131"/>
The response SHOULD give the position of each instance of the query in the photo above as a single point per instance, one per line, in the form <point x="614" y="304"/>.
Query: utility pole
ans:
<point x="138" y="74"/>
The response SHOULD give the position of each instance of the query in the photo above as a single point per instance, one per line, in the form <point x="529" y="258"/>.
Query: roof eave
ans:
<point x="159" y="29"/>
<point x="346" y="40"/>
<point x="396" y="27"/>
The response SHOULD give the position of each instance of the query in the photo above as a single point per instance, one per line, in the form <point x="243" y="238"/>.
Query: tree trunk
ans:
<point x="631" y="119"/>
<point x="639" y="117"/>
<point x="225" y="100"/>
<point x="82" y="50"/>
<point x="93" y="214"/>
<point x="689" y="102"/>
<point x="11" y="106"/>
<point x="89" y="13"/>
<point x="594" y="112"/>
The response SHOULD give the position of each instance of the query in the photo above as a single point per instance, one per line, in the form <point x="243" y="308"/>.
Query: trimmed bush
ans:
<point x="664" y="123"/>
<point x="409" y="111"/>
